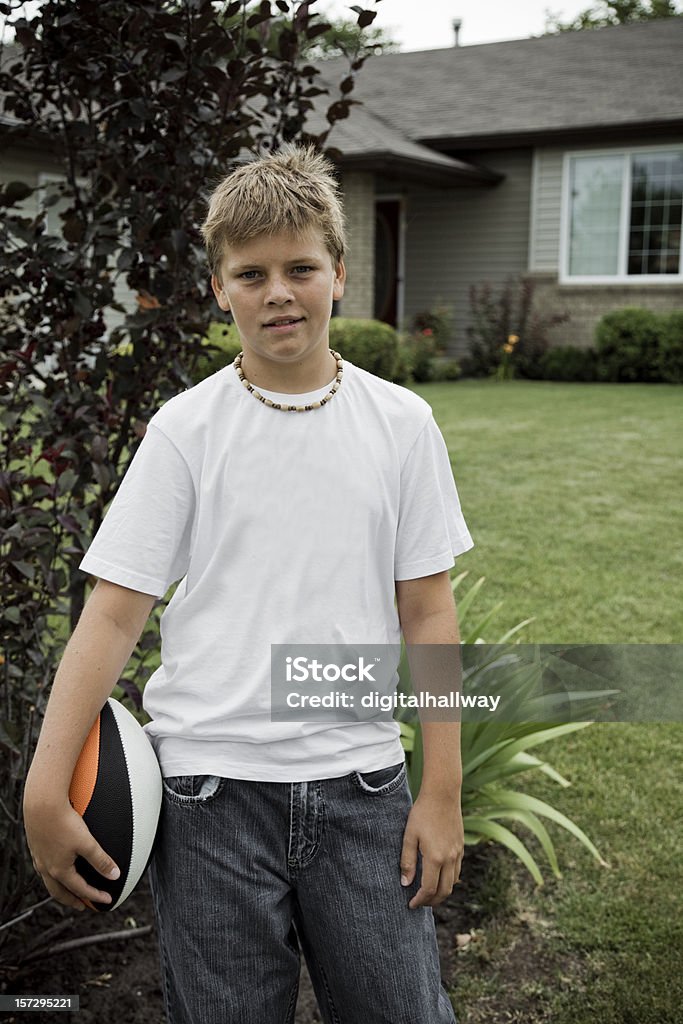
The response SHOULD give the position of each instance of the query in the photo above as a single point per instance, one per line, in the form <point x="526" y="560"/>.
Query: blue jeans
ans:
<point x="245" y="874"/>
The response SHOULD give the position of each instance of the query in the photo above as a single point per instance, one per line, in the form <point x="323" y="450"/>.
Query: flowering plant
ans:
<point x="506" y="369"/>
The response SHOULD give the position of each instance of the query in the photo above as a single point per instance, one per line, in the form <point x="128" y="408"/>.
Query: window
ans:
<point x="623" y="215"/>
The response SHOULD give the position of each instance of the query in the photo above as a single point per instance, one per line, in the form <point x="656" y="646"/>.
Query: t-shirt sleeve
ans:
<point x="145" y="537"/>
<point x="431" y="528"/>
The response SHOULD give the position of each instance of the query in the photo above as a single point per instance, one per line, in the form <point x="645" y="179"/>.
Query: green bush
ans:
<point x="403" y="367"/>
<point x="670" y="360"/>
<point x="222" y="344"/>
<point x="627" y="343"/>
<point x="422" y="349"/>
<point x="370" y="344"/>
<point x="447" y="369"/>
<point x="565" y="362"/>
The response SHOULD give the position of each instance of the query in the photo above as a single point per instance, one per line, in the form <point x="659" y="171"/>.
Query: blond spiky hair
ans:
<point x="293" y="190"/>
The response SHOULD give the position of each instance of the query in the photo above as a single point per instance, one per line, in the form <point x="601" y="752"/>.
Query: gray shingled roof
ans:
<point x="624" y="75"/>
<point x="368" y="142"/>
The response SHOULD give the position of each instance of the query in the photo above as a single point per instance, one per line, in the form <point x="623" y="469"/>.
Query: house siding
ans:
<point x="459" y="237"/>
<point x="585" y="303"/>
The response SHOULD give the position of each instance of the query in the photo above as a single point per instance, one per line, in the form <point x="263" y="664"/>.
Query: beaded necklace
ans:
<point x="237" y="363"/>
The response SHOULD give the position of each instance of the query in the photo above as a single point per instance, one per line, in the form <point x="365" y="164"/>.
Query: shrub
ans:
<point x="222" y="343"/>
<point x="627" y="343"/>
<point x="423" y="350"/>
<point x="447" y="369"/>
<point x="670" y="357"/>
<point x="370" y="344"/>
<point x="565" y="362"/>
<point x="403" y="367"/>
<point x="496" y="320"/>
<point x="436" y="323"/>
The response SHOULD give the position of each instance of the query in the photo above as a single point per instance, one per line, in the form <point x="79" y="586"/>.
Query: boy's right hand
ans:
<point x="55" y="834"/>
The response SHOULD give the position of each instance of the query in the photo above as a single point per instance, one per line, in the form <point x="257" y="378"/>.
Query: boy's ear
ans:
<point x="339" y="281"/>
<point x="221" y="297"/>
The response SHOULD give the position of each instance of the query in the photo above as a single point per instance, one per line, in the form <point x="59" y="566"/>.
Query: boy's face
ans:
<point x="280" y="276"/>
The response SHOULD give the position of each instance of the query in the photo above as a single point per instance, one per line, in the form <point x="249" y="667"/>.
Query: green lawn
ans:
<point x="572" y="493"/>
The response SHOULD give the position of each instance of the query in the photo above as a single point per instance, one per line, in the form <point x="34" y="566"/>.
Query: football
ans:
<point x="116" y="788"/>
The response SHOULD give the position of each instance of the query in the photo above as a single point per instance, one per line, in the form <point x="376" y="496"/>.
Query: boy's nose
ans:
<point x="278" y="291"/>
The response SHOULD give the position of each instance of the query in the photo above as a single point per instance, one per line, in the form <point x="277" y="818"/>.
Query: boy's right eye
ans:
<point x="248" y="272"/>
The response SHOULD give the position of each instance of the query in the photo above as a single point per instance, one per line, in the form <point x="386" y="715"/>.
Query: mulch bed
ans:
<point x="118" y="979"/>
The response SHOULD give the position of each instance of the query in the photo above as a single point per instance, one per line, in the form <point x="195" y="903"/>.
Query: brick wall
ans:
<point x="586" y="304"/>
<point x="359" y="204"/>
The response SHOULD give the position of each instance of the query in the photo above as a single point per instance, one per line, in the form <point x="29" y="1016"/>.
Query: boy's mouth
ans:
<point x="284" y="325"/>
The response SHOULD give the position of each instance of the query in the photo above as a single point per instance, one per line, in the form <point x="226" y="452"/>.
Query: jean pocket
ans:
<point x="382" y="780"/>
<point x="193" y="789"/>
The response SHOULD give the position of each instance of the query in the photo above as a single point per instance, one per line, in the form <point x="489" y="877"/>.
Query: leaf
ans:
<point x="317" y="30"/>
<point x="502" y="835"/>
<point x="366" y="18"/>
<point x="25" y="568"/>
<point x="536" y="826"/>
<point x="338" y="111"/>
<point x="10" y="735"/>
<point x="15" y="192"/>
<point x="74" y="230"/>
<point x="147" y="301"/>
<point x="532" y="803"/>
<point x="69" y="523"/>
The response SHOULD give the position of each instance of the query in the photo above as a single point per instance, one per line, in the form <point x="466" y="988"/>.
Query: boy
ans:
<point x="293" y="495"/>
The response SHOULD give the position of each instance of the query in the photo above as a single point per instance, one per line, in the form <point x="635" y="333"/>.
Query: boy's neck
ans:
<point x="317" y="370"/>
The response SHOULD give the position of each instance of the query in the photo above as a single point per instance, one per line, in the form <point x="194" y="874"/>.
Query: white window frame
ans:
<point x="626" y="152"/>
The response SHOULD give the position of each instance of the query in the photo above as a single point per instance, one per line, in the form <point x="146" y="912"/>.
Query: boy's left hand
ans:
<point x="434" y="827"/>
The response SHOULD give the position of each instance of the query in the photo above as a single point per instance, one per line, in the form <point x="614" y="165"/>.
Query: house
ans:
<point x="558" y="157"/>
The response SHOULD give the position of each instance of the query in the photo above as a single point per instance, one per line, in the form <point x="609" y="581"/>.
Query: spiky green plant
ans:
<point x="493" y="753"/>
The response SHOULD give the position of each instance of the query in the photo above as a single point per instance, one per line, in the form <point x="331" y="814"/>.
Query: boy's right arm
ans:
<point x="106" y="634"/>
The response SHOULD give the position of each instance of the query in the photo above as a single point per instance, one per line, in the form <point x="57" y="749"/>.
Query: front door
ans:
<point x="387" y="260"/>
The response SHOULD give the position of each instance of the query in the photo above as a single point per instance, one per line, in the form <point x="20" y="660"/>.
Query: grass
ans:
<point x="572" y="495"/>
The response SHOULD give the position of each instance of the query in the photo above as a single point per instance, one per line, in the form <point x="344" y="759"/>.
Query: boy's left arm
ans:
<point x="428" y="615"/>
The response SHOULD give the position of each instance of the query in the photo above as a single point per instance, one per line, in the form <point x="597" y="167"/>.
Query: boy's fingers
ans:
<point x="446" y="883"/>
<point x="430" y="884"/>
<point x="63" y="895"/>
<point x="408" y="858"/>
<point x="91" y="850"/>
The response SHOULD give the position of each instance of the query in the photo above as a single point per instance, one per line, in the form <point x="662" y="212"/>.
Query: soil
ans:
<point x="496" y="959"/>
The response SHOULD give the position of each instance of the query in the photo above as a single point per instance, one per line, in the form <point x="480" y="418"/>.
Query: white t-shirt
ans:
<point x="281" y="527"/>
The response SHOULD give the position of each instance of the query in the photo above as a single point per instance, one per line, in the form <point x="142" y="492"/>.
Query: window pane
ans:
<point x="594" y="218"/>
<point x="656" y="194"/>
